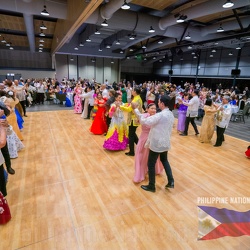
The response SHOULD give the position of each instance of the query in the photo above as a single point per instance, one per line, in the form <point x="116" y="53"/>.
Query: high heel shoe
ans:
<point x="170" y="185"/>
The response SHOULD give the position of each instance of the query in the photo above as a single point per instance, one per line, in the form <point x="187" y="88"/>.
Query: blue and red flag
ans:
<point x="215" y="223"/>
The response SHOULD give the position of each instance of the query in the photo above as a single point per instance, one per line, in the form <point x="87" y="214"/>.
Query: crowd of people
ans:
<point x="148" y="105"/>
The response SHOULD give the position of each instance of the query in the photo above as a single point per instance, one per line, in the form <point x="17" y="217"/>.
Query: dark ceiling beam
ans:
<point x="238" y="19"/>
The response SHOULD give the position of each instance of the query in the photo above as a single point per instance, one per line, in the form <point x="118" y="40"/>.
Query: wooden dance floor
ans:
<point x="69" y="193"/>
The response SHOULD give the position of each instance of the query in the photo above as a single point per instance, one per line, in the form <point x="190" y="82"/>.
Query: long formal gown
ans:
<point x="99" y="125"/>
<point x="5" y="215"/>
<point x="141" y="156"/>
<point x="77" y="101"/>
<point x="14" y="144"/>
<point x="117" y="136"/>
<point x="208" y="124"/>
<point x="182" y="111"/>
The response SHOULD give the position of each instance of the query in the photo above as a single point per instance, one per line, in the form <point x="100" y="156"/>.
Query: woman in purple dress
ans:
<point x="182" y="114"/>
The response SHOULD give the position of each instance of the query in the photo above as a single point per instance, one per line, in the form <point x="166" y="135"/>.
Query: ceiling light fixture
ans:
<point x="154" y="58"/>
<point x="132" y="37"/>
<point x="88" y="40"/>
<point x="131" y="50"/>
<point x="112" y="61"/>
<point x="40" y="51"/>
<point x="190" y="47"/>
<point x="160" y="42"/>
<point x="100" y="50"/>
<point x="97" y="32"/>
<point x="41" y="34"/>
<point x="11" y="48"/>
<point x="213" y="50"/>
<point x="7" y="44"/>
<point x="43" y="27"/>
<point x="41" y="45"/>
<point x="143" y="47"/>
<point x="81" y="44"/>
<point x="228" y="4"/>
<point x="181" y="59"/>
<point x="125" y="6"/>
<point x="41" y="41"/>
<point x="3" y="40"/>
<point x="104" y="23"/>
<point x="76" y="48"/>
<point x="108" y="46"/>
<point x="187" y="37"/>
<point x="211" y="55"/>
<point x="151" y="30"/>
<point x="117" y="42"/>
<point x="238" y="47"/>
<point x="71" y="59"/>
<point x="121" y="52"/>
<point x="220" y="29"/>
<point x="230" y="53"/>
<point x="181" y="18"/>
<point x="44" y="12"/>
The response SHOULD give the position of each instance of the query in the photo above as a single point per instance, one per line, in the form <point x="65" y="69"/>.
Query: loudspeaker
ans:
<point x="170" y="72"/>
<point x="235" y="72"/>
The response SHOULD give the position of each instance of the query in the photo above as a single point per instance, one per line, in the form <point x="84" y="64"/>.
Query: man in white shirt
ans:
<point x="192" y="112"/>
<point x="224" y="113"/>
<point x="158" y="142"/>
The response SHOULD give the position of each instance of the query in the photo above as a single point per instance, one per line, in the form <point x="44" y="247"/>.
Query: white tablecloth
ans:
<point x="234" y="108"/>
<point x="70" y="96"/>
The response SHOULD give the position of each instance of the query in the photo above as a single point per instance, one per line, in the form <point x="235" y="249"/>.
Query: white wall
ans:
<point x="83" y="67"/>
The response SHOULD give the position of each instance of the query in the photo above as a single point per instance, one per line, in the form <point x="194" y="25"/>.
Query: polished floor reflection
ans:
<point x="70" y="193"/>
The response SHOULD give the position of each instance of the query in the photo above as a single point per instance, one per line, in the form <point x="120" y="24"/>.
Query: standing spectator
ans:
<point x="143" y="95"/>
<point x="192" y="112"/>
<point x="129" y="93"/>
<point x="224" y="113"/>
<point x="161" y="125"/>
<point x="108" y="105"/>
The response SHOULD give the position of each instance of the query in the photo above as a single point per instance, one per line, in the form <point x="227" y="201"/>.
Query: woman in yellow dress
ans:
<point x="208" y="122"/>
<point x="10" y="101"/>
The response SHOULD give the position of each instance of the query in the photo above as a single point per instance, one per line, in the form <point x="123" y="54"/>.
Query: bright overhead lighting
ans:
<point x="125" y="6"/>
<point x="7" y="44"/>
<point x="131" y="50"/>
<point x="104" y="23"/>
<point x="238" y="47"/>
<point x="188" y="36"/>
<point x="213" y="51"/>
<point x="97" y="32"/>
<point x="181" y="59"/>
<point x="3" y="40"/>
<point x="100" y="49"/>
<point x="41" y="34"/>
<point x="40" y="51"/>
<point x="160" y="42"/>
<point x="76" y="48"/>
<point x="143" y="47"/>
<point x="230" y="53"/>
<point x="228" y="4"/>
<point x="117" y="42"/>
<point x="128" y="57"/>
<point x="220" y="29"/>
<point x="151" y="30"/>
<point x="160" y="60"/>
<point x="44" y="12"/>
<point x="41" y="40"/>
<point x="11" y="48"/>
<point x="181" y="19"/>
<point x="71" y="59"/>
<point x="132" y="37"/>
<point x="112" y="61"/>
<point x="81" y="44"/>
<point x="88" y="40"/>
<point x="195" y="57"/>
<point x="108" y="46"/>
<point x="154" y="58"/>
<point x="190" y="47"/>
<point x="121" y="52"/>
<point x="43" y="27"/>
<point x="211" y="55"/>
<point x="41" y="45"/>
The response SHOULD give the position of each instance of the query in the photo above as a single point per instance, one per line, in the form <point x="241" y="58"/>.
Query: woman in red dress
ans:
<point x="99" y="125"/>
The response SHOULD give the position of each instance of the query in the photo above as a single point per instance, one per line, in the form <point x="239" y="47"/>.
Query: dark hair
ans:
<point x="165" y="99"/>
<point x="196" y="91"/>
<point x="248" y="147"/>
<point x="208" y="102"/>
<point x="117" y="94"/>
<point x="138" y="91"/>
<point x="150" y="104"/>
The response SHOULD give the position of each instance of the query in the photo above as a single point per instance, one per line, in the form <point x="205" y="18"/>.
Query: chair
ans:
<point x="241" y="113"/>
<point x="61" y="98"/>
<point x="49" y="98"/>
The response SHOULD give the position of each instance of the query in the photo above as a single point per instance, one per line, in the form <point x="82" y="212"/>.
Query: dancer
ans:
<point x="141" y="153"/>
<point x="117" y="136"/>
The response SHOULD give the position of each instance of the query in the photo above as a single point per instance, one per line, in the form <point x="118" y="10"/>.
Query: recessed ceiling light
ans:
<point x="125" y="6"/>
<point x="228" y="4"/>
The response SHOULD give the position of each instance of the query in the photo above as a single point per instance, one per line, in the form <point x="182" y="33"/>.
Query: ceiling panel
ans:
<point x="154" y="4"/>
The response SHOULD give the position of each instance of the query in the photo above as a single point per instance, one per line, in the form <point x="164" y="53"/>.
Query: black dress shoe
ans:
<point x="215" y="145"/>
<point x="10" y="170"/>
<point x="197" y="133"/>
<point x="148" y="188"/>
<point x="183" y="134"/>
<point x="170" y="185"/>
<point x="130" y="154"/>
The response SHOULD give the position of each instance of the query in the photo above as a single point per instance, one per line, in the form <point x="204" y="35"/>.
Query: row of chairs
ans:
<point x="60" y="97"/>
<point x="241" y="113"/>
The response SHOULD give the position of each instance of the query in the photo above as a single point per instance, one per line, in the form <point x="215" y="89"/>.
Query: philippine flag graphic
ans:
<point x="215" y="223"/>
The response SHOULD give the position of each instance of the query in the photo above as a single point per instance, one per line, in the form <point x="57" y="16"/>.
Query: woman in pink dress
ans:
<point x="141" y="153"/>
<point x="77" y="99"/>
